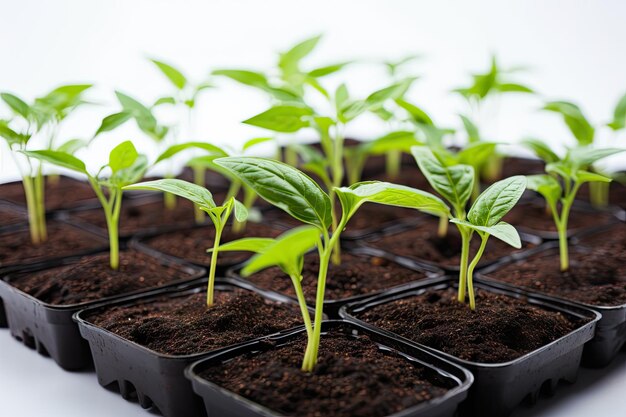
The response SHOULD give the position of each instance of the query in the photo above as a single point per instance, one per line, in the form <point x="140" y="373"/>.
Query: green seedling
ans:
<point x="297" y="194"/>
<point x="619" y="115"/>
<point x="562" y="182"/>
<point x="126" y="166"/>
<point x="30" y="122"/>
<point x="455" y="184"/>
<point x="202" y="198"/>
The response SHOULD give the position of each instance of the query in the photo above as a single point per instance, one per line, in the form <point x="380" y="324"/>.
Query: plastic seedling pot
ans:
<point x="369" y="245"/>
<point x="332" y="306"/>
<point x="610" y="332"/>
<point x="221" y="402"/>
<point x="49" y="328"/>
<point x="499" y="387"/>
<point x="156" y="379"/>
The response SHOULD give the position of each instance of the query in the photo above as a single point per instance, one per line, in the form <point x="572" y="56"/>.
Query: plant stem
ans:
<point x="169" y="199"/>
<point x="599" y="194"/>
<point x="297" y="284"/>
<point x="442" y="231"/>
<point x="219" y="227"/>
<point x="562" y="222"/>
<point x="470" y="270"/>
<point x="31" y="204"/>
<point x="112" y="217"/>
<point x="39" y="186"/>
<point x="198" y="179"/>
<point x="466" y="237"/>
<point x="291" y="156"/>
<point x="337" y="170"/>
<point x="394" y="158"/>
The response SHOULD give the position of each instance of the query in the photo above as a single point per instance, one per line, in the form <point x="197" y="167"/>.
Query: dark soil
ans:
<point x="63" y="240"/>
<point x="91" y="278"/>
<point x="512" y="165"/>
<point x="357" y="275"/>
<point x="501" y="329"/>
<point x="596" y="275"/>
<point x="66" y="193"/>
<point x="184" y="325"/>
<point x="617" y="194"/>
<point x="411" y="176"/>
<point x="421" y="242"/>
<point x="353" y="378"/>
<point x="191" y="244"/>
<point x="534" y="218"/>
<point x="8" y="216"/>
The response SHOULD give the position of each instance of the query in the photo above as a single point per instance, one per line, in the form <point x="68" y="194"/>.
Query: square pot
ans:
<point x="499" y="387"/>
<point x="219" y="401"/>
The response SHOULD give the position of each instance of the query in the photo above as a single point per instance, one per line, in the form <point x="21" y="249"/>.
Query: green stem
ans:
<point x="599" y="194"/>
<point x="562" y="222"/>
<point x="297" y="284"/>
<point x="394" y="158"/>
<point x="291" y="156"/>
<point x="169" y="199"/>
<point x="337" y="170"/>
<point x="113" y="218"/>
<point x="219" y="227"/>
<point x="466" y="237"/>
<point x="470" y="270"/>
<point x="31" y="204"/>
<point x="199" y="179"/>
<point x="442" y="231"/>
<point x="40" y="204"/>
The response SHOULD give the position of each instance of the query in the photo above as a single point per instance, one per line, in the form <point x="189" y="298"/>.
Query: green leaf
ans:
<point x="61" y="159"/>
<point x="174" y="75"/>
<point x="389" y="194"/>
<point x="195" y="193"/>
<point x="282" y="118"/>
<point x="393" y="92"/>
<point x="476" y="154"/>
<point x="129" y="175"/>
<point x="541" y="149"/>
<point x="454" y="183"/>
<point x="584" y="157"/>
<point x="283" y="186"/>
<point x="144" y="117"/>
<point x="11" y="136"/>
<point x="418" y="115"/>
<point x="289" y="60"/>
<point x="122" y="156"/>
<point x="496" y="201"/>
<point x="502" y="230"/>
<point x="394" y="141"/>
<point x="112" y="121"/>
<point x="578" y="124"/>
<point x="250" y="78"/>
<point x="286" y="252"/>
<point x="472" y="130"/>
<point x="240" y="211"/>
<point x="619" y="115"/>
<point x="547" y="186"/>
<point x="175" y="149"/>
<point x="72" y="145"/>
<point x="253" y="142"/>
<point x="586" y="176"/>
<point x="563" y="168"/>
<point x="513" y="88"/>
<point x="247" y="244"/>
<point x="16" y="104"/>
<point x="327" y="70"/>
<point x="164" y="100"/>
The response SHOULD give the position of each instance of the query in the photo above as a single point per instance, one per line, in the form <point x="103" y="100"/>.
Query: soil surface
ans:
<point x="9" y="217"/>
<point x="184" y="325"/>
<point x="353" y="378"/>
<point x="91" y="278"/>
<point x="501" y="328"/>
<point x="66" y="193"/>
<point x="534" y="218"/>
<point x="357" y="275"/>
<point x="512" y="165"/>
<point x="191" y="244"/>
<point x="63" y="240"/>
<point x="421" y="242"/>
<point x="596" y="275"/>
<point x="617" y="194"/>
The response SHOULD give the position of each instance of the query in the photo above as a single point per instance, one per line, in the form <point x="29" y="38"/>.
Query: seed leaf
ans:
<point x="112" y="121"/>
<point x="547" y="186"/>
<point x="284" y="118"/>
<point x="496" y="201"/>
<point x="502" y="230"/>
<point x="283" y="186"/>
<point x="122" y="156"/>
<point x="16" y="104"/>
<point x="195" y="193"/>
<point x="248" y="244"/>
<point x="240" y="211"/>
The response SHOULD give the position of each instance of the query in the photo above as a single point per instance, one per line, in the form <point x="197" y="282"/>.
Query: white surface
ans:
<point x="34" y="386"/>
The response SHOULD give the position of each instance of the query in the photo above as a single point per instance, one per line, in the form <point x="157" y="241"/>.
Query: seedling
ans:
<point x="41" y="118"/>
<point x="619" y="115"/>
<point x="560" y="186"/>
<point x="126" y="166"/>
<point x="455" y="184"/>
<point x="297" y="194"/>
<point x="203" y="199"/>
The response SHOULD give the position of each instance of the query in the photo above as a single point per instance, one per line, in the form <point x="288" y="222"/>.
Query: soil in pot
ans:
<point x="62" y="194"/>
<point x="357" y="275"/>
<point x="596" y="275"/>
<point x="10" y="216"/>
<point x="63" y="240"/>
<point x="91" y="278"/>
<point x="512" y="165"/>
<point x="191" y="244"/>
<point x="617" y="194"/>
<point x="421" y="242"/>
<point x="533" y="216"/>
<point x="353" y="378"/>
<point x="501" y="329"/>
<point x="184" y="325"/>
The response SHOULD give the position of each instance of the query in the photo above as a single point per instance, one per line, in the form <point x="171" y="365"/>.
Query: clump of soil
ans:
<point x="184" y="325"/>
<point x="534" y="218"/>
<point x="63" y="240"/>
<point x="192" y="244"/>
<point x="353" y="378"/>
<point x="91" y="278"/>
<point x="501" y="328"/>
<point x="421" y="242"/>
<point x="596" y="274"/>
<point x="357" y="275"/>
<point x="62" y="194"/>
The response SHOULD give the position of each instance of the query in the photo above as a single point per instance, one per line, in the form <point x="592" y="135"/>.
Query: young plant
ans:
<point x="297" y="194"/>
<point x="455" y="184"/>
<point x="560" y="186"/>
<point x="619" y="115"/>
<point x="39" y="120"/>
<point x="126" y="166"/>
<point x="203" y="199"/>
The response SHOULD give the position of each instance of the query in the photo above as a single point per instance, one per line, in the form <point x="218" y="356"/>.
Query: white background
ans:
<point x="575" y="50"/>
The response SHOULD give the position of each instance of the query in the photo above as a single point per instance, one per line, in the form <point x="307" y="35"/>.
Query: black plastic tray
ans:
<point x="50" y="329"/>
<point x="499" y="387"/>
<point x="223" y="403"/>
<point x="156" y="379"/>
